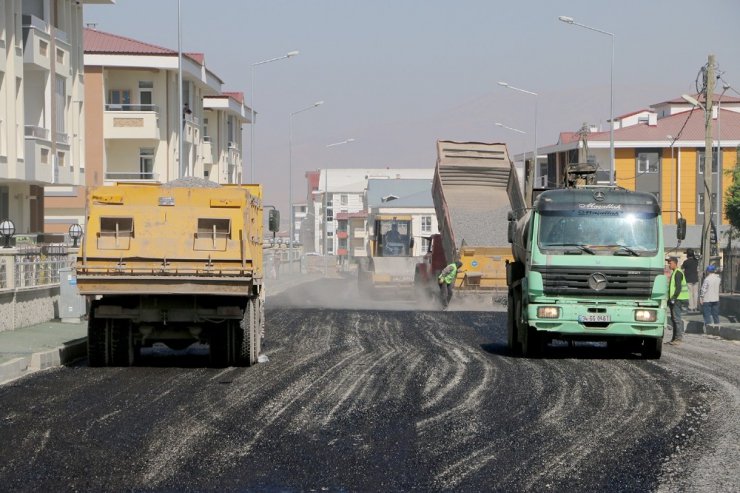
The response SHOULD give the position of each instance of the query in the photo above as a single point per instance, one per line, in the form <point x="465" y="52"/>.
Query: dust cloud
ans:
<point x="343" y="293"/>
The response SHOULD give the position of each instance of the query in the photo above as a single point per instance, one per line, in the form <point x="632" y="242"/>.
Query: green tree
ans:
<point x="732" y="200"/>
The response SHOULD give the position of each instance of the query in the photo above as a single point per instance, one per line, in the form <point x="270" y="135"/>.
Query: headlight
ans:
<point x="646" y="315"/>
<point x="548" y="312"/>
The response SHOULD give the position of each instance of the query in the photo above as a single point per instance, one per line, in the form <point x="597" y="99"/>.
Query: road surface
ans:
<point x="386" y="400"/>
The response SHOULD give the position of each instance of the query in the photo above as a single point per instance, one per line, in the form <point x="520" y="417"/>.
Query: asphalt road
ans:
<point x="381" y="400"/>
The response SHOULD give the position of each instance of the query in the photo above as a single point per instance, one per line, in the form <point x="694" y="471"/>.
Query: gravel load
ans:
<point x="191" y="182"/>
<point x="479" y="215"/>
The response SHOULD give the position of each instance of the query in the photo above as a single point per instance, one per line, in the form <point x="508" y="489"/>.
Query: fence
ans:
<point x="33" y="266"/>
<point x="731" y="271"/>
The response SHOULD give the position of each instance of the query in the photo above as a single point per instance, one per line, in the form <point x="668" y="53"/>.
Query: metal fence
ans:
<point x="38" y="266"/>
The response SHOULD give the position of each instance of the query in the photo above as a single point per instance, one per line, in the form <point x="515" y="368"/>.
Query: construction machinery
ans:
<point x="176" y="263"/>
<point x="588" y="265"/>
<point x="390" y="263"/>
<point x="470" y="199"/>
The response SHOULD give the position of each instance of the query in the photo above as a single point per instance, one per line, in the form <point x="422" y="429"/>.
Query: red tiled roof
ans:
<point x="236" y="96"/>
<point x="679" y="100"/>
<point x="567" y="137"/>
<point x="632" y="114"/>
<point x="672" y="125"/>
<point x="103" y="43"/>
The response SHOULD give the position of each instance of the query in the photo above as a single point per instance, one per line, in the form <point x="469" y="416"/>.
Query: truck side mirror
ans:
<point x="274" y="220"/>
<point x="681" y="229"/>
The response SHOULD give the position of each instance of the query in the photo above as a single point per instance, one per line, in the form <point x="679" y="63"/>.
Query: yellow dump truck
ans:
<point x="176" y="263"/>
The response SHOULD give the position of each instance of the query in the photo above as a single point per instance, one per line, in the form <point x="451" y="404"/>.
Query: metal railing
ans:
<point x="132" y="107"/>
<point x="38" y="266"/>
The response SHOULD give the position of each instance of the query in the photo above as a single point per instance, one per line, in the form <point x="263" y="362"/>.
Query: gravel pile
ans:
<point x="478" y="214"/>
<point x="191" y="182"/>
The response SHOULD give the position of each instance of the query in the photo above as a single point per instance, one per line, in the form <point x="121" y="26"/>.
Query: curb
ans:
<point x="43" y="360"/>
<point x="730" y="331"/>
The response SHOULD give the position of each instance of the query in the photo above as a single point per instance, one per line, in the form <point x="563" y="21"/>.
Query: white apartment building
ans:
<point x="41" y="111"/>
<point x="134" y="121"/>
<point x="345" y="195"/>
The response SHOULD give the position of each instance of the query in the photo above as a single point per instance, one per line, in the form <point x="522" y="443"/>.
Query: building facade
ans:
<point x="134" y="122"/>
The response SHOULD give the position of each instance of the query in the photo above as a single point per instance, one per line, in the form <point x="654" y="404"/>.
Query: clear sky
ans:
<point x="398" y="75"/>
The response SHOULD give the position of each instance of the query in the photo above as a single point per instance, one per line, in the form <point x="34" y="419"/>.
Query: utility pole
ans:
<point x="707" y="196"/>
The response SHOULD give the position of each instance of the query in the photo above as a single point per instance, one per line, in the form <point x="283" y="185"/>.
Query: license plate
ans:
<point x="594" y="318"/>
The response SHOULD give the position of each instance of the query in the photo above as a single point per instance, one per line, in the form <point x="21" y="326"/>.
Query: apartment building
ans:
<point x="661" y="150"/>
<point x="41" y="105"/>
<point x="134" y="122"/>
<point x="344" y="191"/>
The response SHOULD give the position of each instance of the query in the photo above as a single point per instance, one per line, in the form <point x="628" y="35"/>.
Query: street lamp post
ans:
<point x="526" y="186"/>
<point x="290" y="181"/>
<point x="569" y="20"/>
<point x="533" y="170"/>
<point x="326" y="204"/>
<point x="251" y="110"/>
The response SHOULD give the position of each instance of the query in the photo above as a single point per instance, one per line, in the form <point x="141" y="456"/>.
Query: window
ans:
<point x="700" y="158"/>
<point x="329" y="214"/>
<point x="426" y="224"/>
<point x="44" y="155"/>
<point x="60" y="56"/>
<point x="425" y="245"/>
<point x="647" y="162"/>
<point x="145" y="94"/>
<point x="146" y="163"/>
<point x="343" y="199"/>
<point x="61" y="100"/>
<point x="119" y="97"/>
<point x="206" y="135"/>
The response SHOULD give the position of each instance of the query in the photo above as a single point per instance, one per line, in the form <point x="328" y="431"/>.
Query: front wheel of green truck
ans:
<point x="652" y="347"/>
<point x="534" y="343"/>
<point x="515" y="348"/>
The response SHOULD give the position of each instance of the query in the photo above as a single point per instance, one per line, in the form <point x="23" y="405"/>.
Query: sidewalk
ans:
<point x="55" y="343"/>
<point x="728" y="328"/>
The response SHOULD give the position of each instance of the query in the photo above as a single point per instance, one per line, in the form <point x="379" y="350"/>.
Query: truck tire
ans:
<point x="96" y="339"/>
<point x="534" y="343"/>
<point x="249" y="330"/>
<point x="652" y="347"/>
<point x="121" y="343"/>
<point x="512" y="340"/>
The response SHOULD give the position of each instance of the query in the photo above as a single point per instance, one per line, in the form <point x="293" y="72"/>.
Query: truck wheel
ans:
<point x="652" y="348"/>
<point x="96" y="339"/>
<point x="515" y="348"/>
<point x="248" y="325"/>
<point x="534" y="344"/>
<point x="121" y="343"/>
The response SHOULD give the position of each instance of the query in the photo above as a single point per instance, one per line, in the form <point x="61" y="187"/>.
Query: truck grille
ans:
<point x="598" y="282"/>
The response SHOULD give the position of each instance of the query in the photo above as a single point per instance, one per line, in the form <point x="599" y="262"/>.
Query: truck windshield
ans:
<point x="619" y="234"/>
<point x="393" y="238"/>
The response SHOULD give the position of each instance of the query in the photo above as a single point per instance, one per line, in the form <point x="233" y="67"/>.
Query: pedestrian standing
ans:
<point x="678" y="298"/>
<point x="446" y="280"/>
<point x="690" y="268"/>
<point x="709" y="296"/>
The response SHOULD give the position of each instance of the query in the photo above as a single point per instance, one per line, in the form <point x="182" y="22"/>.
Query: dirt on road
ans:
<point x="363" y="398"/>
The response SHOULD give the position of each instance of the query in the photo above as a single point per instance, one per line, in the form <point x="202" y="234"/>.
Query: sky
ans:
<point x="398" y="75"/>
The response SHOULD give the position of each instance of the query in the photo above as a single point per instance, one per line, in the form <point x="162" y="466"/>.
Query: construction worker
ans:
<point x="446" y="280"/>
<point x="678" y="300"/>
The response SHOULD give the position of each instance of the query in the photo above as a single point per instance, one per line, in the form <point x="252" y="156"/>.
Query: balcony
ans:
<point x="191" y="129"/>
<point x="36" y="44"/>
<point x="207" y="151"/>
<point x="234" y="156"/>
<point x="63" y="49"/>
<point x="140" y="176"/>
<point x="131" y="121"/>
<point x="37" y="163"/>
<point x="342" y="234"/>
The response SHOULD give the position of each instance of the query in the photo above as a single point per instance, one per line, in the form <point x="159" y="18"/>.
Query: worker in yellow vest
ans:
<point x="446" y="281"/>
<point x="678" y="300"/>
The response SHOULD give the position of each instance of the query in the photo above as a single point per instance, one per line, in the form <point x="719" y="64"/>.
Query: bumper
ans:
<point x="621" y="322"/>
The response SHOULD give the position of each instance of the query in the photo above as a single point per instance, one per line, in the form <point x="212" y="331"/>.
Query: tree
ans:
<point x="732" y="200"/>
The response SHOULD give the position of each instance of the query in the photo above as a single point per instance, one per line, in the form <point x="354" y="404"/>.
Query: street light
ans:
<point x="290" y="180"/>
<point x="251" y="109"/>
<point x="326" y="205"/>
<point x="569" y="20"/>
<point x="7" y="230"/>
<point x="533" y="170"/>
<point x="75" y="232"/>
